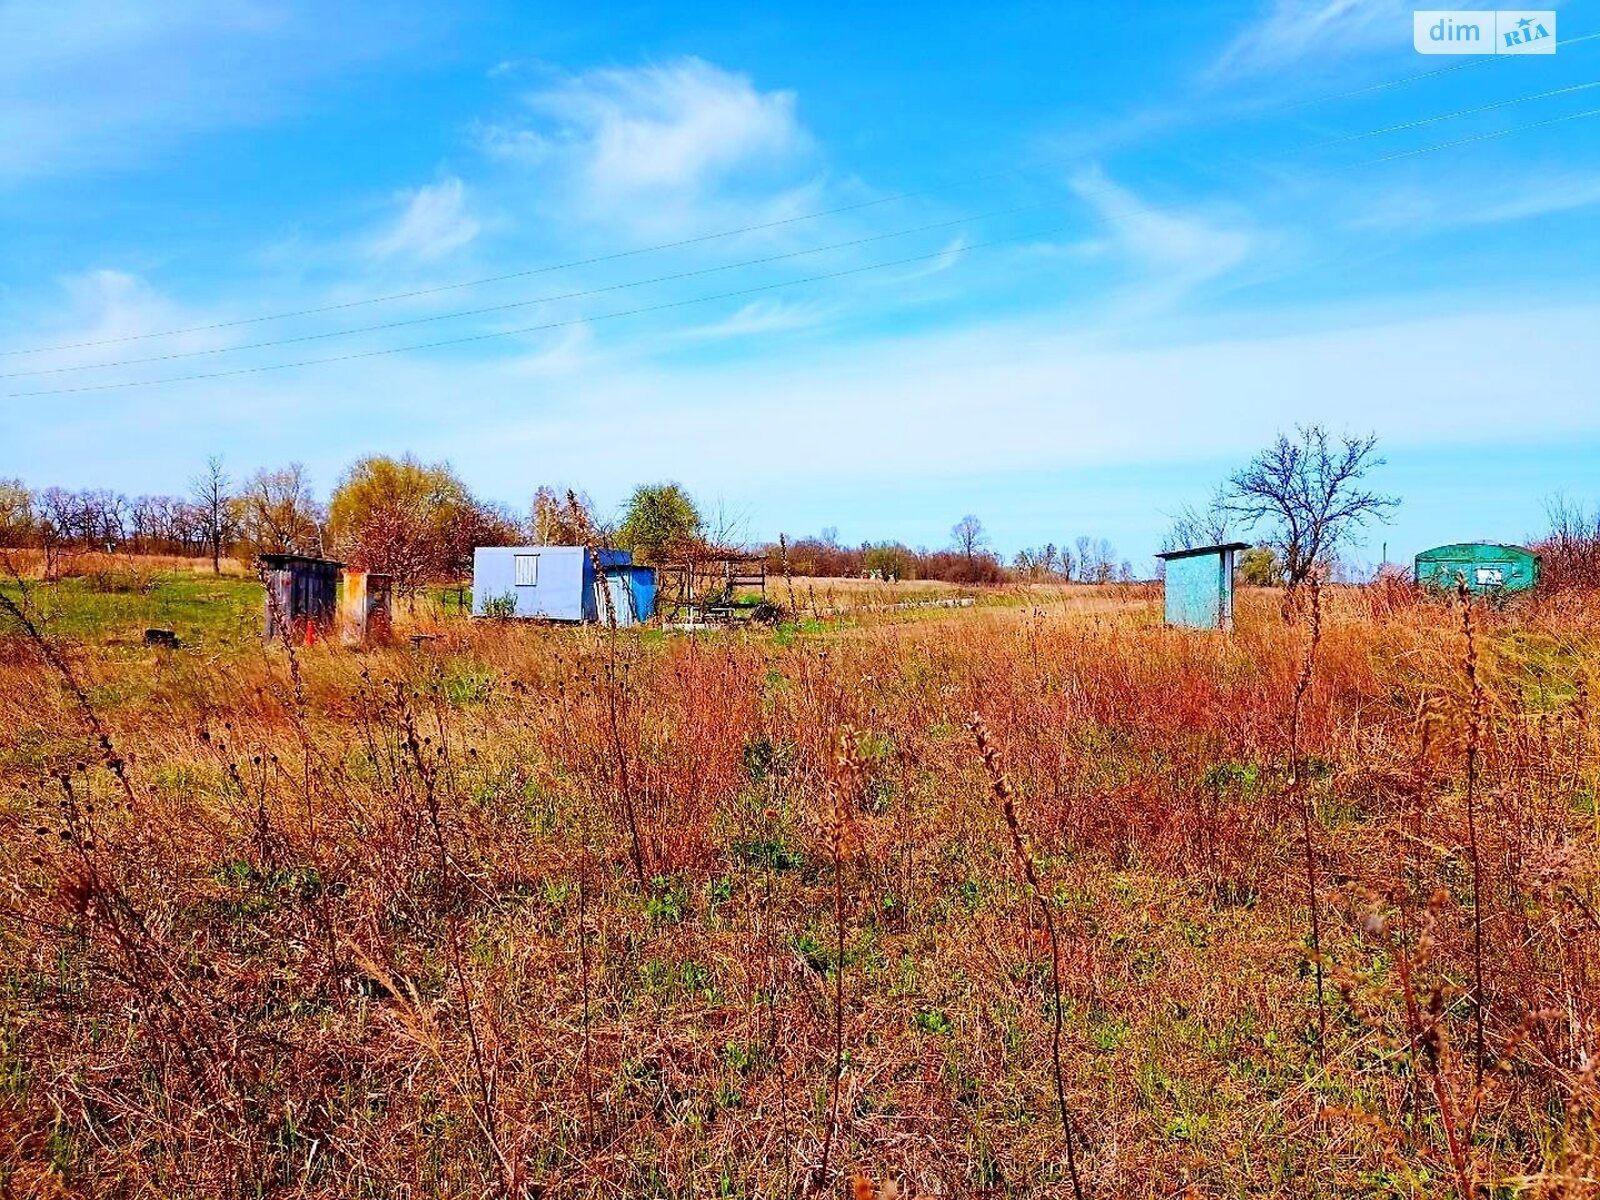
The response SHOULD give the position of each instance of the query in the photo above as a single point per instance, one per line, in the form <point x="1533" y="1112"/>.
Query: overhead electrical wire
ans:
<point x="501" y="333"/>
<point x="1482" y="61"/>
<point x="1462" y="112"/>
<point x="514" y="304"/>
<point x="699" y="239"/>
<point x="772" y="258"/>
<point x="672" y="304"/>
<point x="1481" y="137"/>
<point x="487" y="279"/>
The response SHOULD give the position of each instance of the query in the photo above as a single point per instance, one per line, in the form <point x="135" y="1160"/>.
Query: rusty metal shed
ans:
<point x="302" y="591"/>
<point x="366" y="607"/>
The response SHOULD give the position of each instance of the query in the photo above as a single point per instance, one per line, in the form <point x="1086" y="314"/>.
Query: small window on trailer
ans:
<point x="527" y="569"/>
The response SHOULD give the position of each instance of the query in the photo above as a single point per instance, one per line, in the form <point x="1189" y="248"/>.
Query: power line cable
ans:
<point x="1484" y="61"/>
<point x="1460" y="112"/>
<point x="501" y="333"/>
<point x="767" y="259"/>
<point x="699" y="239"/>
<point x="515" y="304"/>
<point x="487" y="279"/>
<point x="675" y="304"/>
<point x="1482" y="137"/>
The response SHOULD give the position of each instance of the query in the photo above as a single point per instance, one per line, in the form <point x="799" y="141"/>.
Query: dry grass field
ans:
<point x="1311" y="910"/>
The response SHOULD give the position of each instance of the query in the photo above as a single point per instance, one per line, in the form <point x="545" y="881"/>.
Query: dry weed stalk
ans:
<point x="57" y="662"/>
<point x="614" y="690"/>
<point x="788" y="578"/>
<point x="1307" y="805"/>
<point x="197" y="1043"/>
<point x="1469" y="663"/>
<point x="1030" y="873"/>
<point x="1422" y="1016"/>
<point x="844" y="839"/>
<point x="454" y="881"/>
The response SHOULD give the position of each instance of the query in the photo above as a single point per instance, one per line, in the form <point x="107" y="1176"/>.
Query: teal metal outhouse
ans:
<point x="1486" y="567"/>
<point x="1198" y="586"/>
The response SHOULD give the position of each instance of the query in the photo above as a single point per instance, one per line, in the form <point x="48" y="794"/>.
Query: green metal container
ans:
<point x="1486" y="567"/>
<point x="1198" y="586"/>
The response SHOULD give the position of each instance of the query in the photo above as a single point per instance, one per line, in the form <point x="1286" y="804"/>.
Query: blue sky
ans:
<point x="1097" y="257"/>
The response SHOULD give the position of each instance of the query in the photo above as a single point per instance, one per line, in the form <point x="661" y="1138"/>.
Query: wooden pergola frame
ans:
<point x="683" y="586"/>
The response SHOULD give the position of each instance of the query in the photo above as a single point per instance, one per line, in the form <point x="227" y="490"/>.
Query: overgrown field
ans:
<point x="570" y="913"/>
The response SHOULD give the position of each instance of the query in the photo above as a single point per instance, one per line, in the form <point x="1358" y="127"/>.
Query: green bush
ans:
<point x="500" y="608"/>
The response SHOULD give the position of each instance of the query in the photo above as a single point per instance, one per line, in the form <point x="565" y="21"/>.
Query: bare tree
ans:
<point x="278" y="514"/>
<point x="1311" y="492"/>
<point x="1192" y="527"/>
<point x="727" y="530"/>
<point x="57" y="519"/>
<point x="211" y="493"/>
<point x="16" y="513"/>
<point x="1571" y="550"/>
<point x="555" y="522"/>
<point x="968" y="536"/>
<point x="1096" y="562"/>
<point x="102" y="517"/>
<point x="1085" y="559"/>
<point x="1105" y="561"/>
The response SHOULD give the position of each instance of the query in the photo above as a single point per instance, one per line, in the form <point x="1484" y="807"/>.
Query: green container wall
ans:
<point x="1486" y="566"/>
<point x="1199" y="590"/>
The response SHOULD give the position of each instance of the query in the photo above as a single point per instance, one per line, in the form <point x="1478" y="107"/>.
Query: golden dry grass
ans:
<point x="378" y="923"/>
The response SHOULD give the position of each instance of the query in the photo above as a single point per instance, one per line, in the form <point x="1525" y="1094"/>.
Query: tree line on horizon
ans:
<point x="1301" y="501"/>
<point x="420" y="523"/>
<point x="416" y="521"/>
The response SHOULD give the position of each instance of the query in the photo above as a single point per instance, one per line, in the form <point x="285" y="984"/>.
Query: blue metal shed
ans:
<point x="1198" y="589"/>
<point x="559" y="583"/>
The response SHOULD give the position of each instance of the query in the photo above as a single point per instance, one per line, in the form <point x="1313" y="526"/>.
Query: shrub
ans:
<point x="500" y="608"/>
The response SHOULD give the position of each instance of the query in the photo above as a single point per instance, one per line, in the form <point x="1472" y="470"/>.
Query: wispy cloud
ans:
<point x="91" y="86"/>
<point x="762" y="316"/>
<point x="1288" y="31"/>
<point x="946" y="258"/>
<point x="1080" y="406"/>
<point x="96" y="312"/>
<point x="1481" y="202"/>
<point x="676" y="126"/>
<point x="1172" y="253"/>
<point x="433" y="223"/>
<point x="660" y="148"/>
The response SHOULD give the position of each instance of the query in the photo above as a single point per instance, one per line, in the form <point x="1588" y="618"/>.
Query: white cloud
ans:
<point x="655" y="135"/>
<point x="1174" y="253"/>
<point x="989" y="401"/>
<point x="434" y="223"/>
<point x="1463" y="204"/>
<point x="673" y="126"/>
<point x="86" y="85"/>
<point x="946" y="258"/>
<point x="762" y="316"/>
<point x="105" y="315"/>
<point x="1031" y="395"/>
<point x="1289" y="31"/>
